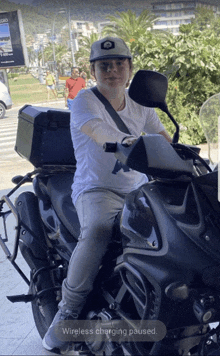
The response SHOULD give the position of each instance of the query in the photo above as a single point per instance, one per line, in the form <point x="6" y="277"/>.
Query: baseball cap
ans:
<point x="109" y="47"/>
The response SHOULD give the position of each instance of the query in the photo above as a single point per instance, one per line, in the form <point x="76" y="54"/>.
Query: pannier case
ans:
<point x="43" y="136"/>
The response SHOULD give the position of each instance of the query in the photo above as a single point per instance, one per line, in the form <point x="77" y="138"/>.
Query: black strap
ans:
<point x="120" y="124"/>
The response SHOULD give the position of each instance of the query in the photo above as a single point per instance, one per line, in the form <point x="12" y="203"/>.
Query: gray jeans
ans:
<point x="96" y="209"/>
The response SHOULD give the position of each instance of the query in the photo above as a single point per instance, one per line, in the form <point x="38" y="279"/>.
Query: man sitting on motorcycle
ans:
<point x="101" y="182"/>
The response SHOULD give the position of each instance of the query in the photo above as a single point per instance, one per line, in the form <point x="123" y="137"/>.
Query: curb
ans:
<point x="36" y="104"/>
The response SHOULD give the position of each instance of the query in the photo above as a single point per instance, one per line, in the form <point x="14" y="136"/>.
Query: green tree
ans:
<point x="82" y="56"/>
<point x="203" y="17"/>
<point x="128" y="25"/>
<point x="85" y="45"/>
<point x="191" y="61"/>
<point x="61" y="52"/>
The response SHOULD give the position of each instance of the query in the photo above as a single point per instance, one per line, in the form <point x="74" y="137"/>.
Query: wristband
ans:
<point x="124" y="138"/>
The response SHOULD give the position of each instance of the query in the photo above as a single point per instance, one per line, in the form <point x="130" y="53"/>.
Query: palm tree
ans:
<point x="61" y="52"/>
<point x="85" y="44"/>
<point x="128" y="25"/>
<point x="82" y="56"/>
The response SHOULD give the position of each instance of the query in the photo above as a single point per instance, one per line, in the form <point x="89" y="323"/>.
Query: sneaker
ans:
<point x="77" y="349"/>
<point x="51" y="341"/>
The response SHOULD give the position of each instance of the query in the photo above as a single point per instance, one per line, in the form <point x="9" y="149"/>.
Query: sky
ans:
<point x="4" y="30"/>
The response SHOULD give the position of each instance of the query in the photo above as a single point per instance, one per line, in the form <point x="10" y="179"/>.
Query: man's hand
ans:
<point x="129" y="140"/>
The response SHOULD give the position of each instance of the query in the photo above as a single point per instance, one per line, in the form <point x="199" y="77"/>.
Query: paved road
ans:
<point x="10" y="162"/>
<point x="18" y="335"/>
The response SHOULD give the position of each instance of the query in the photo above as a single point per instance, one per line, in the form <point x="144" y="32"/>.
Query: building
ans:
<point x="40" y="40"/>
<point x="101" y="25"/>
<point x="78" y="30"/>
<point x="82" y="28"/>
<point x="172" y="14"/>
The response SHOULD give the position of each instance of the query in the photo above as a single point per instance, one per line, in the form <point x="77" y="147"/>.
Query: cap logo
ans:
<point x="107" y="45"/>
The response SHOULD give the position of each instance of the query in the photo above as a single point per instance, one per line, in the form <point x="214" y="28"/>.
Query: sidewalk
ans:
<point x="18" y="334"/>
<point x="10" y="171"/>
<point x="50" y="103"/>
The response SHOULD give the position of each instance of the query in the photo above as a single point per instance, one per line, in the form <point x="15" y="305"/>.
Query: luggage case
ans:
<point x="43" y="136"/>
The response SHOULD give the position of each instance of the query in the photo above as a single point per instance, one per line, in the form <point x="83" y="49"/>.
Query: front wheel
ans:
<point x="2" y="111"/>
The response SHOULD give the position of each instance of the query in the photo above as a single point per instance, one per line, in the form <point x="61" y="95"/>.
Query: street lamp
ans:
<point x="70" y="32"/>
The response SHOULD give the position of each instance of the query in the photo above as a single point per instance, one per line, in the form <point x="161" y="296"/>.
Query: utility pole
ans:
<point x="70" y="31"/>
<point x="53" y="38"/>
<point x="70" y="34"/>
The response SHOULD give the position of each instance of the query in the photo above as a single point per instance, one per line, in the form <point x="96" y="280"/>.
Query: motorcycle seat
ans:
<point x="59" y="190"/>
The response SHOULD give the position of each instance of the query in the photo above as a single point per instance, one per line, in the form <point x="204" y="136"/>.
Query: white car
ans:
<point x="5" y="100"/>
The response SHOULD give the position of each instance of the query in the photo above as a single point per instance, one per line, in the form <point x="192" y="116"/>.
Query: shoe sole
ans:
<point x="76" y="353"/>
<point x="54" y="350"/>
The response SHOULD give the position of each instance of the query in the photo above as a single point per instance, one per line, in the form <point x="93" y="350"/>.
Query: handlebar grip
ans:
<point x="110" y="147"/>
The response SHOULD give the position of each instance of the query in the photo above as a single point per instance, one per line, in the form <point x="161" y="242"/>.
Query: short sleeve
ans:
<point x="153" y="124"/>
<point x="84" y="108"/>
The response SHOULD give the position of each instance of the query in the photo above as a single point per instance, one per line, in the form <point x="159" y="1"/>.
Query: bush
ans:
<point x="13" y="75"/>
<point x="186" y="115"/>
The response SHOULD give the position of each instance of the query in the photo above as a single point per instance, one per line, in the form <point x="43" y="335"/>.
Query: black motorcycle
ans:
<point x="158" y="289"/>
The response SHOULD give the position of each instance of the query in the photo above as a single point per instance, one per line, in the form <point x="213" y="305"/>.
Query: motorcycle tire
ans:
<point x="44" y="310"/>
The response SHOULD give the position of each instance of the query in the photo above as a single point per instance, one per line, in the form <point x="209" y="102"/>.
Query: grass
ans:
<point x="27" y="90"/>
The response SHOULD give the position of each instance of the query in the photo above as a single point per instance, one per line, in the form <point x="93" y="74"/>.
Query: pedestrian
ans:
<point x="51" y="84"/>
<point x="91" y="82"/>
<point x="83" y="75"/>
<point x="100" y="182"/>
<point x="73" y="85"/>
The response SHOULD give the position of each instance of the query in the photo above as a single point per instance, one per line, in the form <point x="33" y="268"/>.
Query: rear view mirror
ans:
<point x="149" y="88"/>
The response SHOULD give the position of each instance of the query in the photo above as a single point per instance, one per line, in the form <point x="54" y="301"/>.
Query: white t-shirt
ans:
<point x="96" y="168"/>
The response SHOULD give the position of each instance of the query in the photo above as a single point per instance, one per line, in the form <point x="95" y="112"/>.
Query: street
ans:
<point x="18" y="334"/>
<point x="11" y="163"/>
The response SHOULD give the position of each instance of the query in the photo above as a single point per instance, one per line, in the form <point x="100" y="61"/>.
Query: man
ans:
<point x="99" y="189"/>
<point x="50" y="82"/>
<point x="73" y="85"/>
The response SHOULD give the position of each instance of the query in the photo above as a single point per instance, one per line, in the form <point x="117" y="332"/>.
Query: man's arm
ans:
<point x="101" y="132"/>
<point x="166" y="135"/>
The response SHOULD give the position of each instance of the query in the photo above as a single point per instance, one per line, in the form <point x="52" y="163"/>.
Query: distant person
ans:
<point x="84" y="76"/>
<point x="73" y="85"/>
<point x="50" y="83"/>
<point x="91" y="82"/>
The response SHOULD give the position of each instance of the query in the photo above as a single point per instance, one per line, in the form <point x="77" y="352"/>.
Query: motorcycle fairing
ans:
<point x="138" y="223"/>
<point x="177" y="253"/>
<point x="176" y="262"/>
<point x="56" y="189"/>
<point x="153" y="155"/>
<point x="57" y="211"/>
<point x="59" y="189"/>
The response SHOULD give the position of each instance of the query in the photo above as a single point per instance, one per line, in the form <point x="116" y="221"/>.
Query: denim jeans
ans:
<point x="96" y="210"/>
<point x="69" y="103"/>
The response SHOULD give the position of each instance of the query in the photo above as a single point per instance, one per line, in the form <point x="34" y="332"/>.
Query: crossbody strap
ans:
<point x="118" y="121"/>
